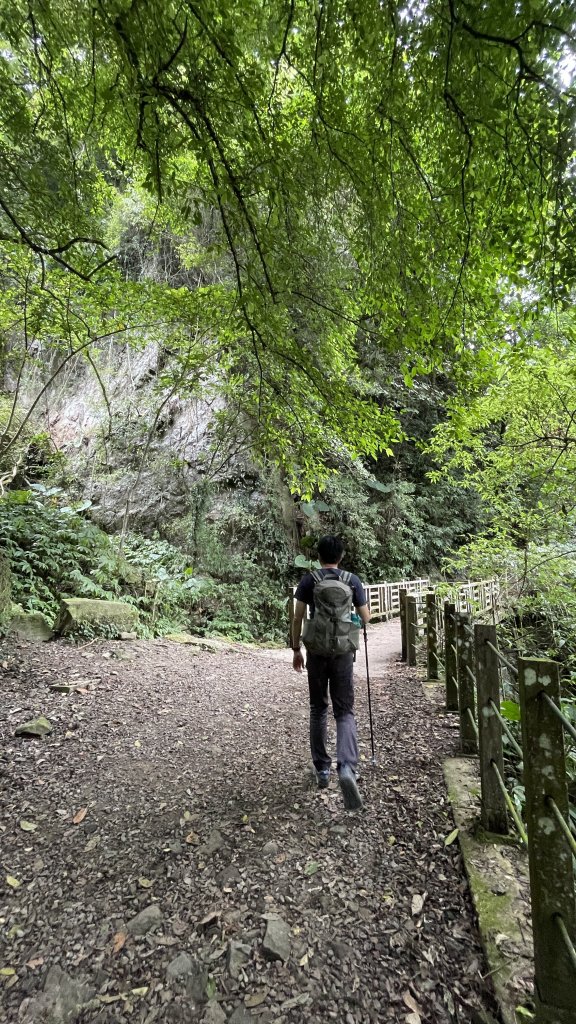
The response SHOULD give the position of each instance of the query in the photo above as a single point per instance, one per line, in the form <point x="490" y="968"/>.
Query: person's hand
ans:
<point x="298" y="661"/>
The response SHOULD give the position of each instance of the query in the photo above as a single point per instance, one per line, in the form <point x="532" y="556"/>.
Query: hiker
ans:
<point x="331" y="638"/>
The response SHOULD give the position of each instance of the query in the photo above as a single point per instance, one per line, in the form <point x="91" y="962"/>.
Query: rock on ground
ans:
<point x="83" y="611"/>
<point x="62" y="999"/>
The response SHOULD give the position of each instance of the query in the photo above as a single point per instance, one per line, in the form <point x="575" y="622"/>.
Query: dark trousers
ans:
<point x="334" y="676"/>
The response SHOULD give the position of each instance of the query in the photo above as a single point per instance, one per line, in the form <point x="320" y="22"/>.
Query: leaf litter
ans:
<point x="378" y="922"/>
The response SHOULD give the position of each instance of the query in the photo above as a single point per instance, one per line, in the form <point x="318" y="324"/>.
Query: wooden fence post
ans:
<point x="411" y="628"/>
<point x="431" y="637"/>
<point x="450" y="656"/>
<point x="550" y="857"/>
<point x="494" y="817"/>
<point x="466" y="702"/>
<point x="402" y="595"/>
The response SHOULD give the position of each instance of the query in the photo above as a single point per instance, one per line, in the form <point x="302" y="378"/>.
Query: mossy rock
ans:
<point x="102" y="618"/>
<point x="29" y="625"/>
<point x="40" y="726"/>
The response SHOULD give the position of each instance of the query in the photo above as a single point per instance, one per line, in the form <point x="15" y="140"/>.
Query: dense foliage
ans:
<point x="55" y="552"/>
<point x="394" y="168"/>
<point x="348" y="227"/>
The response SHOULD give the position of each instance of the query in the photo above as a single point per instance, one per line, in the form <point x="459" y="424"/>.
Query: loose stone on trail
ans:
<point x="238" y="955"/>
<point x="35" y="727"/>
<point x="214" y="843"/>
<point x="62" y="999"/>
<point x="147" y="919"/>
<point x="270" y="849"/>
<point x="180" y="966"/>
<point x="276" y="943"/>
<point x="214" y="1014"/>
<point x="241" y="1016"/>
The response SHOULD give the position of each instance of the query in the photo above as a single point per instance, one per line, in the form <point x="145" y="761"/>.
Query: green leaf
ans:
<point x="311" y="868"/>
<point x="451" y="837"/>
<point x="302" y="562"/>
<point x="510" y="710"/>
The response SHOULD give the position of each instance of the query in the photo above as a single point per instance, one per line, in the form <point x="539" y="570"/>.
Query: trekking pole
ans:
<point x="369" y="696"/>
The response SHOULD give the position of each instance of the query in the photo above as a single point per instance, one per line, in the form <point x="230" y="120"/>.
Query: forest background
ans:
<point x="273" y="270"/>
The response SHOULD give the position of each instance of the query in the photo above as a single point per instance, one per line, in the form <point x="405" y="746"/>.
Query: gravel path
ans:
<point x="176" y="782"/>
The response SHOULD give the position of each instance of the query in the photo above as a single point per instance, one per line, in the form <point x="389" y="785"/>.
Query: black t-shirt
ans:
<point x="305" y="589"/>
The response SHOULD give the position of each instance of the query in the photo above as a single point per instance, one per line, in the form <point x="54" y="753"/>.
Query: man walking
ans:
<point x="330" y="637"/>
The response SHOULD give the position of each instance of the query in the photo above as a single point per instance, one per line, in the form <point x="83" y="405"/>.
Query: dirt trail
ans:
<point x="192" y="770"/>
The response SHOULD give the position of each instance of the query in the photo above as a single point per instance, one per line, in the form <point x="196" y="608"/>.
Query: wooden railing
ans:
<point x="383" y="598"/>
<point x="475" y="670"/>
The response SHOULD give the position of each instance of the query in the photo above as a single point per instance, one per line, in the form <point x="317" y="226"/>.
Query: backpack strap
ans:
<point x="345" y="577"/>
<point x="317" y="576"/>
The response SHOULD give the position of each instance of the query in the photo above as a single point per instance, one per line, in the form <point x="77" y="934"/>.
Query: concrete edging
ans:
<point x="497" y="871"/>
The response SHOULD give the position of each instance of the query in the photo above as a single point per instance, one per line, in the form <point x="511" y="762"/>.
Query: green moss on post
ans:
<point x="402" y="596"/>
<point x="466" y="701"/>
<point x="494" y="813"/>
<point x="450" y="656"/>
<point x="550" y="857"/>
<point x="431" y="637"/>
<point x="411" y="628"/>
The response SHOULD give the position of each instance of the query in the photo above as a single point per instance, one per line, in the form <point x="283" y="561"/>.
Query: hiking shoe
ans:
<point x="323" y="779"/>
<point x="350" y="792"/>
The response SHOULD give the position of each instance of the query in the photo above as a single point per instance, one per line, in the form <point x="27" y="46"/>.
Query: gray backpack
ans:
<point x="332" y="631"/>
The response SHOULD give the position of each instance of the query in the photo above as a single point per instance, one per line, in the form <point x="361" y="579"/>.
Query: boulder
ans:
<point x="110" y="616"/>
<point x="29" y="625"/>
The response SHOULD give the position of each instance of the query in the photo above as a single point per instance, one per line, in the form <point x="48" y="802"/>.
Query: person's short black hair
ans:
<point x="330" y="549"/>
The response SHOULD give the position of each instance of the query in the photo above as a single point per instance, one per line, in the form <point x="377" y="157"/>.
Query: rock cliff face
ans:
<point x="145" y="458"/>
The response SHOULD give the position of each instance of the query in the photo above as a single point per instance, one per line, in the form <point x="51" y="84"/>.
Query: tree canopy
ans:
<point x="369" y="169"/>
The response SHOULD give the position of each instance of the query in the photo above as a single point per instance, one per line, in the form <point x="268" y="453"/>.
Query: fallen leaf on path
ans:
<point x="311" y="868"/>
<point x="118" y="941"/>
<point x="450" y="839"/>
<point x="7" y="972"/>
<point x="145" y="883"/>
<point x="192" y="839"/>
<point x="13" y="882"/>
<point x="417" y="903"/>
<point x="139" y="991"/>
<point x="80" y="815"/>
<point x="28" y="826"/>
<point x="37" y="962"/>
<point x="410" y="1002"/>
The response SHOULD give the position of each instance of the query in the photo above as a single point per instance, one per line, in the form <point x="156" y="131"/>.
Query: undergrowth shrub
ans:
<point x="55" y="551"/>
